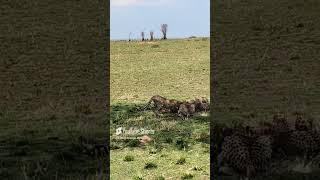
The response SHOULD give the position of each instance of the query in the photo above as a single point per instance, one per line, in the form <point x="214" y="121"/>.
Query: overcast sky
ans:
<point x="185" y="18"/>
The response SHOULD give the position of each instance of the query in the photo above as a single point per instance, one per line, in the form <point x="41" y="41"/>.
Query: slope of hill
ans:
<point x="53" y="72"/>
<point x="266" y="59"/>
<point x="174" y="69"/>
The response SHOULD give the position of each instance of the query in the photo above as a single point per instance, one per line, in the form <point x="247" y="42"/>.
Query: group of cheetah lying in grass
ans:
<point x="184" y="109"/>
<point x="249" y="151"/>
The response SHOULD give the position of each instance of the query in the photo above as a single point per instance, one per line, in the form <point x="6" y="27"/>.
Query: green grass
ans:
<point x="128" y="158"/>
<point x="37" y="150"/>
<point x="53" y="86"/>
<point x="187" y="176"/>
<point x="181" y="160"/>
<point x="267" y="61"/>
<point x="175" y="69"/>
<point x="165" y="162"/>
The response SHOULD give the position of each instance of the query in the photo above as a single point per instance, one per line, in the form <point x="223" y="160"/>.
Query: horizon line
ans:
<point x="126" y="39"/>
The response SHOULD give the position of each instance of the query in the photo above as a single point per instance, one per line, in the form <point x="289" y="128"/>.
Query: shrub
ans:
<point x="187" y="176"/>
<point x="137" y="178"/>
<point x="133" y="143"/>
<point x="128" y="158"/>
<point x="160" y="178"/>
<point x="150" y="165"/>
<point x="181" y="161"/>
<point x="181" y="144"/>
<point x="204" y="137"/>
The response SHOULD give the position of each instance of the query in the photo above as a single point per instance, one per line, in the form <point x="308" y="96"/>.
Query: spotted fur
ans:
<point x="246" y="154"/>
<point x="202" y="104"/>
<point x="302" y="124"/>
<point x="186" y="109"/>
<point x="163" y="105"/>
<point x="301" y="140"/>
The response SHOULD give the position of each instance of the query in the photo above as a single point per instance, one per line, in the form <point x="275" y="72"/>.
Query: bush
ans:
<point x="160" y="178"/>
<point x="128" y="158"/>
<point x="181" y="161"/>
<point x="181" y="144"/>
<point x="204" y="138"/>
<point x="133" y="143"/>
<point x="186" y="176"/>
<point x="150" y="165"/>
<point x="137" y="178"/>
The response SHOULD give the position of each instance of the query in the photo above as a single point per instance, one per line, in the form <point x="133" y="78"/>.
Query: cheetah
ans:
<point x="191" y="107"/>
<point x="163" y="105"/>
<point x="202" y="104"/>
<point x="303" y="140"/>
<point x="281" y="124"/>
<point x="235" y="154"/>
<point x="247" y="154"/>
<point x="302" y="124"/>
<point x="186" y="109"/>
<point x="304" y="143"/>
<point x="297" y="141"/>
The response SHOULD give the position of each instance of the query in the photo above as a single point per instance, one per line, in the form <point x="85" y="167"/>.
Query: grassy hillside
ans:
<point x="266" y="59"/>
<point x="175" y="69"/>
<point x="53" y="88"/>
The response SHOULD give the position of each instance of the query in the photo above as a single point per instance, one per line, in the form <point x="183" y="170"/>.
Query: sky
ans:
<point x="185" y="18"/>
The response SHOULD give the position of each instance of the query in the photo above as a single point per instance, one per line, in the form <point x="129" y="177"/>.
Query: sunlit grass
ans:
<point x="175" y="69"/>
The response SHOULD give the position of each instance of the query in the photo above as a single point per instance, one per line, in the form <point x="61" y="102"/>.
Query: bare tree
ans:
<point x="130" y="36"/>
<point x="151" y="35"/>
<point x="164" y="29"/>
<point x="142" y="35"/>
